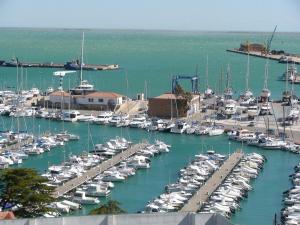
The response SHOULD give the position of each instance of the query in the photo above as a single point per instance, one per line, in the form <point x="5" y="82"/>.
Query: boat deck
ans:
<point x="203" y="194"/>
<point x="93" y="172"/>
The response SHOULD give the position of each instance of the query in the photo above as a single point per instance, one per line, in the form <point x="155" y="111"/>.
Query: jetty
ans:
<point x="94" y="67"/>
<point x="203" y="194"/>
<point x="294" y="58"/>
<point x="94" y="171"/>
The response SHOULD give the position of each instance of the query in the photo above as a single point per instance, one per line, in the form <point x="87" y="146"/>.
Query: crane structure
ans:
<point x="194" y="82"/>
<point x="269" y="42"/>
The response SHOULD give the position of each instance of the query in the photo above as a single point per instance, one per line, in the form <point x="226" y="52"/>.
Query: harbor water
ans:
<point x="152" y="57"/>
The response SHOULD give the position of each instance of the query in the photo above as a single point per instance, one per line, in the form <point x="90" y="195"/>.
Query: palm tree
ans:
<point x="111" y="207"/>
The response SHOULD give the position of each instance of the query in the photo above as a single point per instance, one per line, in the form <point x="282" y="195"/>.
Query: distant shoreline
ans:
<point x="147" y="30"/>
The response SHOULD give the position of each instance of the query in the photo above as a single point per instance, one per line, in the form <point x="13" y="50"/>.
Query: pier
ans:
<point x="62" y="66"/>
<point x="203" y="194"/>
<point x="294" y="58"/>
<point x="94" y="171"/>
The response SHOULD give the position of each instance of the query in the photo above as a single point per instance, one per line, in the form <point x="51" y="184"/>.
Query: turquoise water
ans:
<point x="152" y="56"/>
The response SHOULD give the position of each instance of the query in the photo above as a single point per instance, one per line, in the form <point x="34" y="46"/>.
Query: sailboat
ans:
<point x="84" y="86"/>
<point x="208" y="93"/>
<point x="294" y="112"/>
<point x="247" y="96"/>
<point x="265" y="94"/>
<point x="230" y="104"/>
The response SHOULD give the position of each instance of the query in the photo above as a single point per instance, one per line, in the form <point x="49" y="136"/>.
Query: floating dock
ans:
<point x="62" y="66"/>
<point x="203" y="194"/>
<point x="294" y="58"/>
<point x="93" y="172"/>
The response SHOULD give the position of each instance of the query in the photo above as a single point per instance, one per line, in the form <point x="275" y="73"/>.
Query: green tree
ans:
<point x="26" y="190"/>
<point x="111" y="207"/>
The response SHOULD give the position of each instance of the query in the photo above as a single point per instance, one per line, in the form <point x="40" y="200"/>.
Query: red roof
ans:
<point x="8" y="215"/>
<point x="59" y="93"/>
<point x="99" y="94"/>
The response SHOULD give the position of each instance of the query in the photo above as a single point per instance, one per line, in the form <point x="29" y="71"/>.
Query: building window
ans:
<point x="91" y="100"/>
<point x="100" y="99"/>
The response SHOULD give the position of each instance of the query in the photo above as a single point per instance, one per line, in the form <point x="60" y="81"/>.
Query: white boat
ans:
<point x="138" y="121"/>
<point x="85" y="118"/>
<point x="95" y="190"/>
<point x="215" y="131"/>
<point x="180" y="127"/>
<point x="294" y="113"/>
<point x="265" y="109"/>
<point x="103" y="118"/>
<point x="80" y="197"/>
<point x="139" y="162"/>
<point x="230" y="108"/>
<point x="253" y="111"/>
<point x="70" y="116"/>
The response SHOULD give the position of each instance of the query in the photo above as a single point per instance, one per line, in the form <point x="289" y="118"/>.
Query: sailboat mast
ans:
<point x="266" y="74"/>
<point x="228" y="78"/>
<point x="286" y="77"/>
<point x="81" y="61"/>
<point x="248" y="73"/>
<point x="206" y="74"/>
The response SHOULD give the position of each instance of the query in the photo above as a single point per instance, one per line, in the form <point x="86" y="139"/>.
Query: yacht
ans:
<point x="103" y="118"/>
<point x="139" y="162"/>
<point x="180" y="127"/>
<point x="294" y="113"/>
<point x="80" y="197"/>
<point x="253" y="111"/>
<point x="230" y="108"/>
<point x="265" y="109"/>
<point x="95" y="190"/>
<point x="215" y="131"/>
<point x="71" y="116"/>
<point x="85" y="118"/>
<point x="138" y="121"/>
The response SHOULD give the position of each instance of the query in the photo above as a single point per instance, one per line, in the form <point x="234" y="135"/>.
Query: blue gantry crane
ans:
<point x="194" y="81"/>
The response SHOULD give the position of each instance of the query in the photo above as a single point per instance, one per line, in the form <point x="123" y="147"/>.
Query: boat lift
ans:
<point x="61" y="75"/>
<point x="194" y="81"/>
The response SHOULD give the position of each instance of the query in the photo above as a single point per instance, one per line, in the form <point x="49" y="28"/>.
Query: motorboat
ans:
<point x="253" y="111"/>
<point x="230" y="108"/>
<point x="138" y="121"/>
<point x="95" y="190"/>
<point x="265" y="109"/>
<point x="85" y="118"/>
<point x="180" y="127"/>
<point x="80" y="197"/>
<point x="70" y="116"/>
<point x="215" y="131"/>
<point x="103" y="118"/>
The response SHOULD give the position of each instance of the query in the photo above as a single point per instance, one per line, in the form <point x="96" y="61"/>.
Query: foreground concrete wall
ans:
<point x="128" y="219"/>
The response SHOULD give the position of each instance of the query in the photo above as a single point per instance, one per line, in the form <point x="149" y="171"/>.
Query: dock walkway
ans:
<point x="202" y="195"/>
<point x="94" y="171"/>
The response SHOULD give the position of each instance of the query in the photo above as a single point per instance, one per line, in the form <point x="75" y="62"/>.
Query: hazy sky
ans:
<point x="225" y="15"/>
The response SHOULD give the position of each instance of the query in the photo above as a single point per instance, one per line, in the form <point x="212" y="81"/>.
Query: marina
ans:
<point x="201" y="130"/>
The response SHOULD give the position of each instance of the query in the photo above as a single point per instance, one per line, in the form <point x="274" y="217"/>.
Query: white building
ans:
<point x="95" y="100"/>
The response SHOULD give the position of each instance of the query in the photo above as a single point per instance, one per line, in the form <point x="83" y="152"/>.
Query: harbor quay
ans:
<point x="94" y="171"/>
<point x="203" y="194"/>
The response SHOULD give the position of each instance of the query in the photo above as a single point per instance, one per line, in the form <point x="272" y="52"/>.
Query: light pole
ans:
<point x="229" y="143"/>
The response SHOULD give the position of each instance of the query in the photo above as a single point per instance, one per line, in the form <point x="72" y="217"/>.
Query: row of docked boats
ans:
<point x="262" y="140"/>
<point x="191" y="178"/>
<point x="101" y="185"/>
<point x="225" y="200"/>
<point x="77" y="165"/>
<point x="17" y="146"/>
<point x="290" y="214"/>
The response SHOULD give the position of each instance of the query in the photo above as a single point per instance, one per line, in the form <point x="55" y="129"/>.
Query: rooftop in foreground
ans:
<point x="129" y="219"/>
